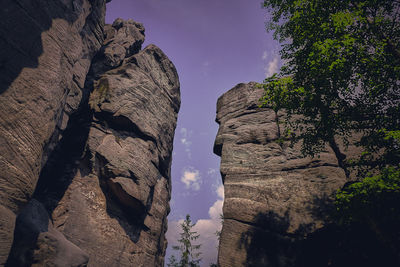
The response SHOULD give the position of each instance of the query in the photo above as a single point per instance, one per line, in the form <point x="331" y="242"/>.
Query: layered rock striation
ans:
<point x="86" y="139"/>
<point x="276" y="201"/>
<point x="46" y="52"/>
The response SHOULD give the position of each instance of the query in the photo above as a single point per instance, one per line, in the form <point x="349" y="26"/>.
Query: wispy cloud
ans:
<point x="191" y="178"/>
<point x="211" y="171"/>
<point x="185" y="136"/>
<point x="264" y="55"/>
<point x="206" y="228"/>
<point x="221" y="192"/>
<point x="214" y="175"/>
<point x="205" y="68"/>
<point x="272" y="67"/>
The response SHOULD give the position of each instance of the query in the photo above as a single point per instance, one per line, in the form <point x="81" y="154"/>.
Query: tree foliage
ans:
<point x="341" y="72"/>
<point x="373" y="202"/>
<point x="189" y="255"/>
<point x="374" y="198"/>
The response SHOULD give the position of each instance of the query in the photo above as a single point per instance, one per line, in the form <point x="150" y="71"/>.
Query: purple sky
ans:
<point x="214" y="45"/>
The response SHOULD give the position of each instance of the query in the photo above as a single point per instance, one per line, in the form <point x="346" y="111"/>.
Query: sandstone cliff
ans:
<point x="276" y="201"/>
<point x="46" y="52"/>
<point x="85" y="154"/>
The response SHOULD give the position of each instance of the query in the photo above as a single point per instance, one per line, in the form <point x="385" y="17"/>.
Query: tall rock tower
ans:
<point x="276" y="200"/>
<point x="86" y="132"/>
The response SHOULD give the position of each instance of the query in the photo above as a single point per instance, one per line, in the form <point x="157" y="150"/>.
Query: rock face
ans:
<point x="276" y="201"/>
<point x="115" y="190"/>
<point x="85" y="155"/>
<point x="46" y="52"/>
<point x="34" y="229"/>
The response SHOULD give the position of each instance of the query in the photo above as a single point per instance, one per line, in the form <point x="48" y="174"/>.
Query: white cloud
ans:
<point x="206" y="228"/>
<point x="221" y="191"/>
<point x="185" y="135"/>
<point x="265" y="55"/>
<point x="213" y="174"/>
<point x="272" y="67"/>
<point x="191" y="178"/>
<point x="211" y="171"/>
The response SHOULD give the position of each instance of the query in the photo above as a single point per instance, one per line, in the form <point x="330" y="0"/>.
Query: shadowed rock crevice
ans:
<point x="120" y="204"/>
<point x="35" y="237"/>
<point x="37" y="242"/>
<point x="67" y="158"/>
<point x="123" y="126"/>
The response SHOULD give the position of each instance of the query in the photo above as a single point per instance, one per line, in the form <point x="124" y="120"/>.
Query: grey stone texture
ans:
<point x="46" y="52"/>
<point x="275" y="199"/>
<point x="86" y="134"/>
<point x="36" y="238"/>
<point x="116" y="204"/>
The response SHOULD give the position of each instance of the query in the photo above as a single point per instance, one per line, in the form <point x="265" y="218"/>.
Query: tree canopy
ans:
<point x="341" y="72"/>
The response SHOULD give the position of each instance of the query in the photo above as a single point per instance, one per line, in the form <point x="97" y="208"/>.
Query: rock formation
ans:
<point x="85" y="155"/>
<point x="46" y="52"/>
<point x="276" y="200"/>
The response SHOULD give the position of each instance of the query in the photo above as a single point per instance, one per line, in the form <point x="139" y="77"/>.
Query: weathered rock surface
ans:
<point x="37" y="239"/>
<point x="110" y="194"/>
<point x="46" y="52"/>
<point x="123" y="39"/>
<point x="276" y="201"/>
<point x="85" y="155"/>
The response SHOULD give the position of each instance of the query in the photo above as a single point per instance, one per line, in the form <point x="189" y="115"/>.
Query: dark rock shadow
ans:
<point x="21" y="25"/>
<point x="130" y="217"/>
<point x="67" y="158"/>
<point x="72" y="155"/>
<point x="127" y="210"/>
<point x="340" y="246"/>
<point x="269" y="244"/>
<point x="37" y="243"/>
<point x="31" y="221"/>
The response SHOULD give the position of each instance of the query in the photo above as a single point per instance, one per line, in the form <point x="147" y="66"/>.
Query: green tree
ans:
<point x="362" y="201"/>
<point x="342" y="65"/>
<point x="374" y="202"/>
<point x="189" y="255"/>
<point x="341" y="74"/>
<point x="172" y="262"/>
